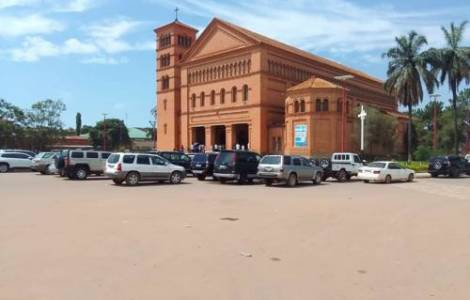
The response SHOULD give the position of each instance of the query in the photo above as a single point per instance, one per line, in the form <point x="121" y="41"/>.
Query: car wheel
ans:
<point x="4" y="168"/>
<point x="268" y="182"/>
<point x="132" y="179"/>
<point x="341" y="176"/>
<point x="411" y="177"/>
<point x="175" y="177"/>
<point x="201" y="177"/>
<point x="317" y="179"/>
<point x="80" y="173"/>
<point x="453" y="172"/>
<point x="62" y="173"/>
<point x="366" y="181"/>
<point x="43" y="172"/>
<point x="388" y="179"/>
<point x="324" y="178"/>
<point x="222" y="180"/>
<point x="117" y="181"/>
<point x="292" y="180"/>
<point x="70" y="175"/>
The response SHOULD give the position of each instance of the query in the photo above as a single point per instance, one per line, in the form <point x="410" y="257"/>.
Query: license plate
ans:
<point x="198" y="165"/>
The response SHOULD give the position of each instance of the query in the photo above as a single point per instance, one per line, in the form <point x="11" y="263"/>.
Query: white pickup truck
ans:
<point x="341" y="165"/>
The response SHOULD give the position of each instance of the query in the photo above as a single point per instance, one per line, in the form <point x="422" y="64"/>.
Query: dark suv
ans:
<point x="202" y="165"/>
<point x="176" y="158"/>
<point x="451" y="165"/>
<point x="240" y="166"/>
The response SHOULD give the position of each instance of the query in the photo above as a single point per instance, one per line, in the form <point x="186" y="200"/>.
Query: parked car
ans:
<point x="42" y="161"/>
<point x="238" y="165"/>
<point x="467" y="157"/>
<point x="202" y="164"/>
<point x="30" y="153"/>
<point x="385" y="171"/>
<point x="136" y="167"/>
<point x="14" y="160"/>
<point x="79" y="164"/>
<point x="288" y="169"/>
<point x="176" y="158"/>
<point x="450" y="165"/>
<point x="341" y="165"/>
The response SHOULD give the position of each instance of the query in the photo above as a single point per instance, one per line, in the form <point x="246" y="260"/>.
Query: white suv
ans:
<point x="342" y="166"/>
<point x="14" y="160"/>
<point x="135" y="167"/>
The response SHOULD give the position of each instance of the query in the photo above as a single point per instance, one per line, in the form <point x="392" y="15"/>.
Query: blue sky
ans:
<point x="98" y="56"/>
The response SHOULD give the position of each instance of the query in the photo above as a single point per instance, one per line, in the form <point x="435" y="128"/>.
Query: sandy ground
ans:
<point x="67" y="240"/>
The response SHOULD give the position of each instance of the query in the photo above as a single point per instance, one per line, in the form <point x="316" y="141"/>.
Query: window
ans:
<point x="165" y="82"/>
<point x="339" y="104"/>
<point x="165" y="128"/>
<point x="296" y="161"/>
<point x="143" y="160"/>
<point x="222" y="96"/>
<point x="105" y="155"/>
<point x="296" y="106"/>
<point x="92" y="155"/>
<point x="234" y="94"/>
<point x="287" y="160"/>
<point x="306" y="162"/>
<point x="302" y="105"/>
<point x="128" y="159"/>
<point x="318" y="105"/>
<point x="394" y="166"/>
<point x="165" y="40"/>
<point x="164" y="104"/>
<point x="113" y="158"/>
<point x="357" y="159"/>
<point x="325" y="105"/>
<point x="202" y="100"/>
<point x="193" y="100"/>
<point x="77" y="155"/>
<point x="212" y="97"/>
<point x="245" y="92"/>
<point x="157" y="161"/>
<point x="184" y="41"/>
<point x="164" y="60"/>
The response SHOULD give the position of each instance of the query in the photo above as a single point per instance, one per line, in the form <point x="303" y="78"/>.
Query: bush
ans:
<point x="423" y="153"/>
<point x="417" y="166"/>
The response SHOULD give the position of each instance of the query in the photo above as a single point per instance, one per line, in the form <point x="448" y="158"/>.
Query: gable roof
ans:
<point x="314" y="83"/>
<point x="261" y="39"/>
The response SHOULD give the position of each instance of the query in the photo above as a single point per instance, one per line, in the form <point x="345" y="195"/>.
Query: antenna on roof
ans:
<point x="176" y="13"/>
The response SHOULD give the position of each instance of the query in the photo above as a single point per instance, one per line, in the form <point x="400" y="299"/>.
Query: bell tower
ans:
<point x="173" y="40"/>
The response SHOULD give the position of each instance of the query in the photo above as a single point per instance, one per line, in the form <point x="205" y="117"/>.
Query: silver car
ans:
<point x="288" y="169"/>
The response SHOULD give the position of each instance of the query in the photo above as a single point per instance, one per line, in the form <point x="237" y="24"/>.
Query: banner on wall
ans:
<point x="300" y="136"/>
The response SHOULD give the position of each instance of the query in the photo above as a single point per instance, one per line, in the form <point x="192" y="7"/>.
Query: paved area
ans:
<point x="62" y="239"/>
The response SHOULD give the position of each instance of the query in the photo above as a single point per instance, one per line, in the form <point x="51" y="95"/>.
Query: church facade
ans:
<point x="233" y="88"/>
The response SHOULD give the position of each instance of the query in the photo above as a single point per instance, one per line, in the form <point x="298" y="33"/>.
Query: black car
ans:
<point x="240" y="166"/>
<point x="451" y="165"/>
<point x="176" y="158"/>
<point x="202" y="165"/>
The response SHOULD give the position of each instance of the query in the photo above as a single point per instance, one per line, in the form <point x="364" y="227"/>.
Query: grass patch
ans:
<point x="417" y="166"/>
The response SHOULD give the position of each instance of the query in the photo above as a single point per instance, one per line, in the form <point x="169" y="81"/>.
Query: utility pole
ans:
<point x="343" y="78"/>
<point x="104" y="131"/>
<point x="435" y="101"/>
<point x="362" y="115"/>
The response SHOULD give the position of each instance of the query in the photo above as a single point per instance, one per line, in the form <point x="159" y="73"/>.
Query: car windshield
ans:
<point x="40" y="155"/>
<point x="271" y="160"/>
<point x="225" y="158"/>
<point x="376" y="165"/>
<point x="113" y="158"/>
<point x="48" y="155"/>
<point x="199" y="158"/>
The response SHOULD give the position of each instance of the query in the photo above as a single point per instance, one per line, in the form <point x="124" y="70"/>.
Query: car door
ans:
<point x="394" y="171"/>
<point x="144" y="166"/>
<point x="23" y="160"/>
<point x="307" y="169"/>
<point x="160" y="167"/>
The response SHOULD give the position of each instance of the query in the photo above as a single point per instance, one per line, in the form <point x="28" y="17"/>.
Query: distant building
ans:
<point x="73" y="142"/>
<point x="141" y="140"/>
<point x="235" y="88"/>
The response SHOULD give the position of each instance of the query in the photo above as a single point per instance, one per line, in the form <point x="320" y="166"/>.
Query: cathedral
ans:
<point x="231" y="88"/>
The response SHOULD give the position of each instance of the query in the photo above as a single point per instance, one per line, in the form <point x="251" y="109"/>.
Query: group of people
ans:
<point x="201" y="148"/>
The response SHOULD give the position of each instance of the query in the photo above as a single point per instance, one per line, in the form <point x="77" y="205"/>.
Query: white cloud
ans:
<point x="105" y="60"/>
<point x="13" y="3"/>
<point x="13" y="26"/>
<point x="33" y="48"/>
<point x="327" y="25"/>
<point x="75" y="46"/>
<point x="75" y="6"/>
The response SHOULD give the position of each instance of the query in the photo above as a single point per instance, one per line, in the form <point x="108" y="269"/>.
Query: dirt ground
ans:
<point x="71" y="240"/>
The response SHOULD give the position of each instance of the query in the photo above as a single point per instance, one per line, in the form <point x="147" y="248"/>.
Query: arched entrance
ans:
<point x="198" y="135"/>
<point x="218" y="134"/>
<point x="241" y="136"/>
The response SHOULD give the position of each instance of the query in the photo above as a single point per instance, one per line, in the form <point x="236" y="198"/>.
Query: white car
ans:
<point x="135" y="167"/>
<point x="467" y="157"/>
<point x="14" y="160"/>
<point x="385" y="171"/>
<point x="42" y="161"/>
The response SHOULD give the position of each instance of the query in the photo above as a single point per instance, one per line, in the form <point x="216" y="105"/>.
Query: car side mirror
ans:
<point x="364" y="161"/>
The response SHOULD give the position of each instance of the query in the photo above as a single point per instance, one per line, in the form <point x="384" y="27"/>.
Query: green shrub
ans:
<point x="417" y="166"/>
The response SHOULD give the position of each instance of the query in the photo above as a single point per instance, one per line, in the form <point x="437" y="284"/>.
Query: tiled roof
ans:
<point x="315" y="83"/>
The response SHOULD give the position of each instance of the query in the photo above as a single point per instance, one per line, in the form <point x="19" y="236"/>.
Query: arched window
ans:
<point x="296" y="106"/>
<point x="245" y="92"/>
<point x="165" y="128"/>
<point x="193" y="100"/>
<point x="325" y="106"/>
<point x="302" y="105"/>
<point x="222" y="96"/>
<point x="164" y="104"/>
<point x="234" y="94"/>
<point x="212" y="97"/>
<point x="202" y="100"/>
<point x="165" y="82"/>
<point x="318" y="105"/>
<point x="339" y="104"/>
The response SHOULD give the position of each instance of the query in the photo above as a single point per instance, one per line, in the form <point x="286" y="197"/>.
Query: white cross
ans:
<point x="362" y="115"/>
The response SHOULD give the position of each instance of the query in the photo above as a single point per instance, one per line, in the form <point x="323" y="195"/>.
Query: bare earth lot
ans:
<point x="67" y="240"/>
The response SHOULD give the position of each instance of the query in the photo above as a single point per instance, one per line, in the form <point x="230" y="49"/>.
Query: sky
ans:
<point x="98" y="56"/>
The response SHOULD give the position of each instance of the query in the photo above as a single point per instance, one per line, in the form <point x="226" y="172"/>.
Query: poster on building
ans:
<point x="300" y="138"/>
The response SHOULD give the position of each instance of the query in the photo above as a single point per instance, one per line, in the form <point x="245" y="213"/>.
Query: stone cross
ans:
<point x="176" y="13"/>
<point x="362" y="115"/>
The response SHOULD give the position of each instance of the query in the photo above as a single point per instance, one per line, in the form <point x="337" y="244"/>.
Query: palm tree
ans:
<point x="407" y="69"/>
<point x="453" y="62"/>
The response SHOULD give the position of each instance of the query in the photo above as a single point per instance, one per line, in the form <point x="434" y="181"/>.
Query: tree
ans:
<point x="407" y="68"/>
<point x="453" y="62"/>
<point x="78" y="123"/>
<point x="114" y="131"/>
<point x="12" y="122"/>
